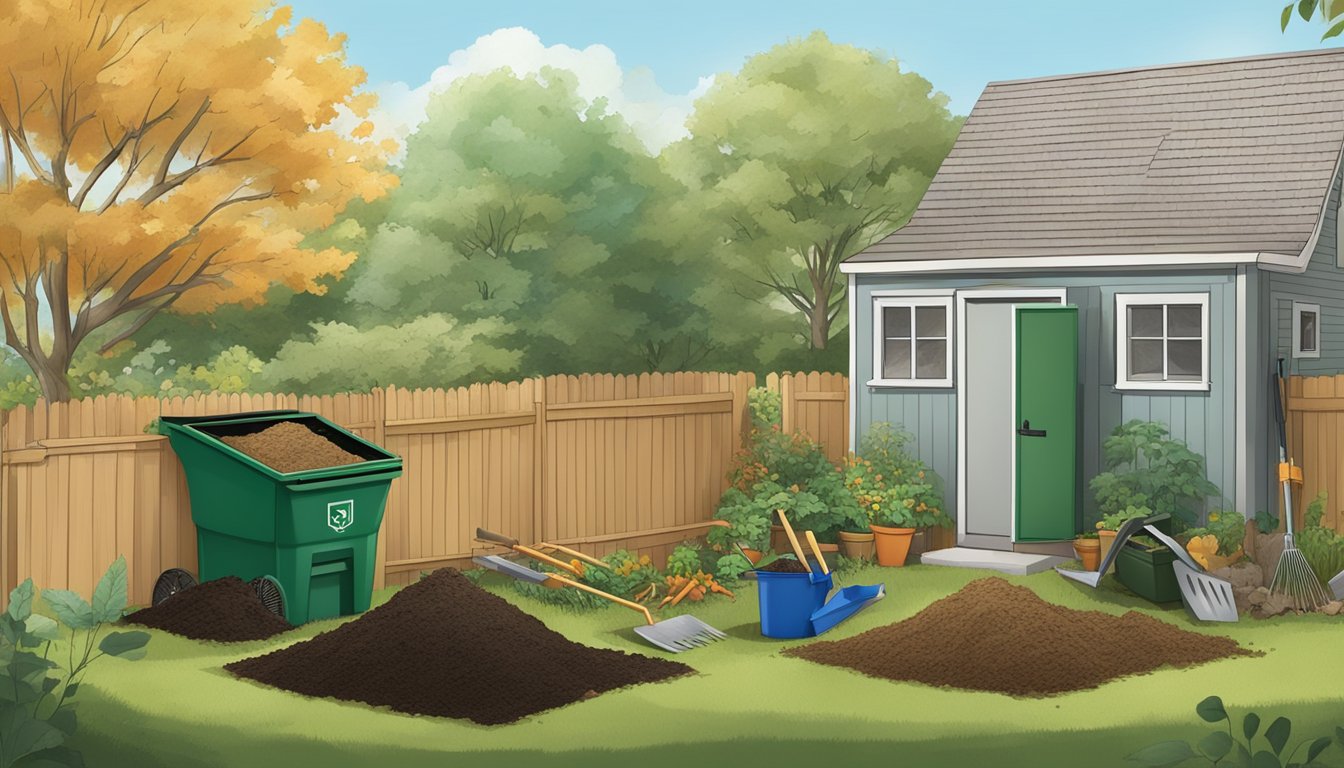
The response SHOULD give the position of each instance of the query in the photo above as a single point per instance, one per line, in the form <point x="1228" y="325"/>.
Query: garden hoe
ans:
<point x="676" y="634"/>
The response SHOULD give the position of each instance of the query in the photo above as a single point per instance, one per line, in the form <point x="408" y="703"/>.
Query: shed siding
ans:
<point x="1205" y="420"/>
<point x="1322" y="283"/>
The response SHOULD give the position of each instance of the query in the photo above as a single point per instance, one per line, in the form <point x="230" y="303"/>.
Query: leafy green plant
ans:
<point x="890" y="486"/>
<point x="1146" y="468"/>
<point x="1227" y="526"/>
<point x="1220" y="747"/>
<point x="1322" y="547"/>
<point x="684" y="561"/>
<point x="1266" y="522"/>
<point x="35" y="720"/>
<point x="730" y="567"/>
<point x="1114" y="520"/>
<point x="766" y="407"/>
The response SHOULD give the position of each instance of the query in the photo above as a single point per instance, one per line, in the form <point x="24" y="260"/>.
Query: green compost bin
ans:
<point x="315" y="532"/>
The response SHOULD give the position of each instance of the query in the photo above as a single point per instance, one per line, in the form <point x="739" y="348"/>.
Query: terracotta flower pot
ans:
<point x="858" y="546"/>
<point x="1089" y="551"/>
<point x="1107" y="538"/>
<point x="892" y="544"/>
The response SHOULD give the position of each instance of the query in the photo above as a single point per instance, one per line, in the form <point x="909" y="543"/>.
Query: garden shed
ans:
<point x="1096" y="248"/>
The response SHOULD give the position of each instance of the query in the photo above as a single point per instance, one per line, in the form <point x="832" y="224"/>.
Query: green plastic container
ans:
<point x="1148" y="574"/>
<point x="315" y="532"/>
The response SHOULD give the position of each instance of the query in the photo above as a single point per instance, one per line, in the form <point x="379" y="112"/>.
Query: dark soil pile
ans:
<point x="784" y="565"/>
<point x="994" y="636"/>
<point x="225" y="610"/>
<point x="291" y="447"/>
<point x="445" y="647"/>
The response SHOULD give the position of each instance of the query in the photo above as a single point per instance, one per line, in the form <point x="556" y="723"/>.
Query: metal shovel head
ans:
<point x="1208" y="598"/>
<point x="679" y="633"/>
<point x="1093" y="578"/>
<point x="847" y="602"/>
<point x="508" y="568"/>
<point x="1337" y="586"/>
<point x="1090" y="578"/>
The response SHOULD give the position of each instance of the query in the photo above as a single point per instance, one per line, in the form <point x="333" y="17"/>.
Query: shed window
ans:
<point x="1306" y="329"/>
<point x="912" y="341"/>
<point x="1162" y="341"/>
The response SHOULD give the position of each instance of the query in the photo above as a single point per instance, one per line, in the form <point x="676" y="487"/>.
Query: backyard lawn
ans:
<point x="748" y="705"/>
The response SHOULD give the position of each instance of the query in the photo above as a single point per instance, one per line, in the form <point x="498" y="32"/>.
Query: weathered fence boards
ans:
<point x="599" y="461"/>
<point x="1315" y="427"/>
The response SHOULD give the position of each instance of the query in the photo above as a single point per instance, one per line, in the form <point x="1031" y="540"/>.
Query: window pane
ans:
<point x="896" y="322"/>
<point x="1184" y="320"/>
<point x="1145" y="360"/>
<point x="896" y="359"/>
<point x="1185" y="360"/>
<point x="931" y="322"/>
<point x="1145" y="321"/>
<point x="931" y="359"/>
<point x="1307" y="331"/>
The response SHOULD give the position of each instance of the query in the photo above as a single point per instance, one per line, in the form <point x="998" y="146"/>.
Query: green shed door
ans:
<point x="1047" y="421"/>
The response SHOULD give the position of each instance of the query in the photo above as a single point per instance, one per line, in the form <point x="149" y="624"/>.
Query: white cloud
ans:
<point x="657" y="117"/>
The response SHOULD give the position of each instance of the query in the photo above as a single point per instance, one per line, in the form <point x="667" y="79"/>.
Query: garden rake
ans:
<point x="677" y="634"/>
<point x="1293" y="577"/>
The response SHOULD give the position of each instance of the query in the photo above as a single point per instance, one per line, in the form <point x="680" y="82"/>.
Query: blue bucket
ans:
<point x="788" y="601"/>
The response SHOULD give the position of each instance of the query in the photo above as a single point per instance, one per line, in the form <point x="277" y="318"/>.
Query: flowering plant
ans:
<point x="891" y="487"/>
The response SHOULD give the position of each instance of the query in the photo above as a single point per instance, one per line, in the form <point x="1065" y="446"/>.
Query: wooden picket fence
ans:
<point x="594" y="461"/>
<point x="1315" y="430"/>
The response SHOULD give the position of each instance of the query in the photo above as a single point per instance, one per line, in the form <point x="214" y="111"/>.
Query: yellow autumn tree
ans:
<point x="167" y="153"/>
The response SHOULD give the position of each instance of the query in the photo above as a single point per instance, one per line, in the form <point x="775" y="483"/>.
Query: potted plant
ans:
<point x="856" y="538"/>
<point x="1088" y="548"/>
<point x="894" y="490"/>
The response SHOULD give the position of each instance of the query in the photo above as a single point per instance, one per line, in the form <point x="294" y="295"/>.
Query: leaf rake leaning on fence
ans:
<point x="1293" y="578"/>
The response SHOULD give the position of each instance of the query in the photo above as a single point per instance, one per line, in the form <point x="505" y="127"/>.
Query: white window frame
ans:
<point x="1123" y="301"/>
<point x="881" y="303"/>
<point x="1300" y="307"/>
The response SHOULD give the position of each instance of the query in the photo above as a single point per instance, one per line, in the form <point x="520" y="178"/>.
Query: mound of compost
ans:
<point x="224" y="610"/>
<point x="445" y="647"/>
<point x="995" y="636"/>
<point x="291" y="447"/>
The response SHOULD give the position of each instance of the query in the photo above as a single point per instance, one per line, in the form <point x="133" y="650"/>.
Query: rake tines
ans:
<point x="1294" y="579"/>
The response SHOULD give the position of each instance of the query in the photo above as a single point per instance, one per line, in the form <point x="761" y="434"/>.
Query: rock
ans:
<point x="1241" y="574"/>
<point x="1333" y="608"/>
<point x="1242" y="597"/>
<point x="1258" y="596"/>
<point x="1268" y="548"/>
<point x="1275" y="605"/>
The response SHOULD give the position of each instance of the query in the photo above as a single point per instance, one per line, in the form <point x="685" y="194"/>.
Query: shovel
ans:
<point x="676" y="634"/>
<point x="1093" y="578"/>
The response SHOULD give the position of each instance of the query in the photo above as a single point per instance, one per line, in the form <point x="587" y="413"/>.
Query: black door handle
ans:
<point x="1027" y="431"/>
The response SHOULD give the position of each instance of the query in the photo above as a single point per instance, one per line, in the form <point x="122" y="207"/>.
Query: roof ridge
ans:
<point x="1338" y="50"/>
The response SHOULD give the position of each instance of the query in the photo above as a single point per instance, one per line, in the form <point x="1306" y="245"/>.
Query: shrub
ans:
<point x="891" y="487"/>
<point x="36" y="722"/>
<point x="1321" y="546"/>
<point x="1220" y="745"/>
<point x="766" y="407"/>
<point x="1146" y="468"/>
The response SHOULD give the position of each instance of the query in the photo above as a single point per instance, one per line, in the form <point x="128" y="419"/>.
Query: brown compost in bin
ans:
<point x="445" y="647"/>
<point x="289" y="446"/>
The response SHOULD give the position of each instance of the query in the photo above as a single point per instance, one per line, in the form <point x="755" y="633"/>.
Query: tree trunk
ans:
<point x="821" y="324"/>
<point x="51" y="376"/>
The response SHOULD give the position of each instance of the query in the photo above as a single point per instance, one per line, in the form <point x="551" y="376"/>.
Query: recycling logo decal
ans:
<point x="340" y="514"/>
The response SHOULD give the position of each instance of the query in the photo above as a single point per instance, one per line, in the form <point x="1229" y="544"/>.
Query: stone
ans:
<point x="1258" y="596"/>
<point x="1241" y="574"/>
<point x="1242" y="597"/>
<point x="1275" y="605"/>
<point x="1333" y="608"/>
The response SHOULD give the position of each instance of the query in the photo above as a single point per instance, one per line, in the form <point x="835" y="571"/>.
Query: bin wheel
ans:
<point x="270" y="594"/>
<point x="171" y="582"/>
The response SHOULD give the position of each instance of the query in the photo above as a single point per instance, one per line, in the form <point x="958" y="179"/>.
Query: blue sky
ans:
<point x="959" y="46"/>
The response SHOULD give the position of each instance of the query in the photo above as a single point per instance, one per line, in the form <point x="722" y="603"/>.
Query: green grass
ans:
<point x="746" y="706"/>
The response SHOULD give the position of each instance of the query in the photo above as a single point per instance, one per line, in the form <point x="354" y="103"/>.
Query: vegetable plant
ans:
<point x="1114" y="520"/>
<point x="892" y="487"/>
<point x="37" y="714"/>
<point x="1254" y="748"/>
<point x="1227" y="526"/>
<point x="1323" y="547"/>
<point x="1144" y="467"/>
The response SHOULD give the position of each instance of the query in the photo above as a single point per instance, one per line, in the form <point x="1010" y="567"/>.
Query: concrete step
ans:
<point x="1013" y="563"/>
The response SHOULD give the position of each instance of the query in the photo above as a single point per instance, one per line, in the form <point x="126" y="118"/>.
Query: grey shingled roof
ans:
<point x="1212" y="157"/>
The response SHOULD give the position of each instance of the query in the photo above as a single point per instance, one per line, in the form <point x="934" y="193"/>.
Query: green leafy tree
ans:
<point x="805" y="157"/>
<point x="1330" y="12"/>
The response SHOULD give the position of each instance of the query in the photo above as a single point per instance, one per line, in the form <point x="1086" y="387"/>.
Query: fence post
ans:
<point x="786" y="403"/>
<point x="539" y="460"/>
<point x="378" y="414"/>
<point x="9" y="575"/>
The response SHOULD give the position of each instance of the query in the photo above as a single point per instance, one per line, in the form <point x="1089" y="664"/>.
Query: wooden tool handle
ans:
<point x="607" y="596"/>
<point x="545" y="558"/>
<point x="816" y="550"/>
<point x="793" y="540"/>
<point x="575" y="553"/>
<point x="495" y="538"/>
